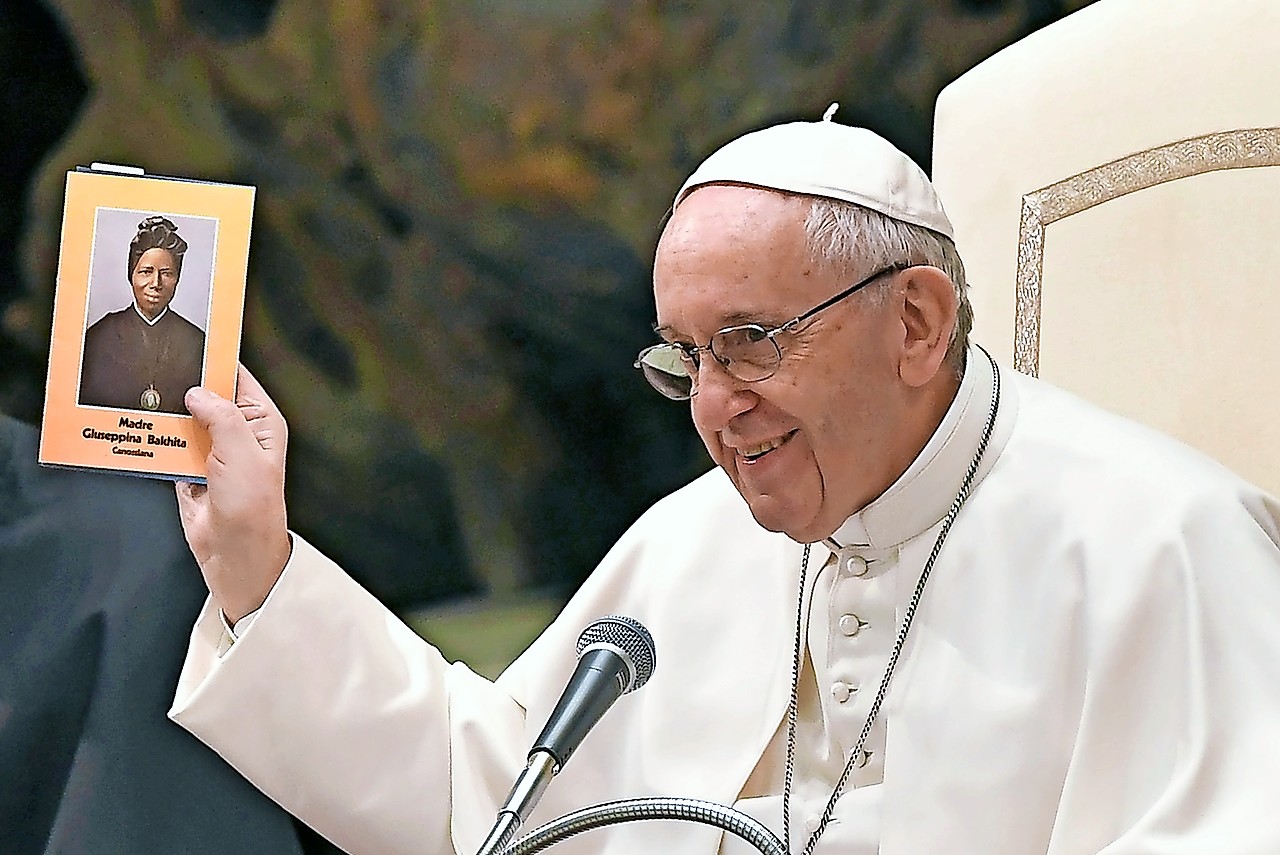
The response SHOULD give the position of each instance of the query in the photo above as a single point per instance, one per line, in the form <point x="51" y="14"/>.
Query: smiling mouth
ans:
<point x="756" y="452"/>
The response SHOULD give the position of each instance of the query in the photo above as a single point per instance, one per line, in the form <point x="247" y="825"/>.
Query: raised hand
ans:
<point x="236" y="525"/>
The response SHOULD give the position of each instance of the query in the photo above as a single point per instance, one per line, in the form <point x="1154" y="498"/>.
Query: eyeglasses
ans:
<point x="747" y="352"/>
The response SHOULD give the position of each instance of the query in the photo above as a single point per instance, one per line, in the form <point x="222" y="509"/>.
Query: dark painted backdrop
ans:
<point x="457" y="205"/>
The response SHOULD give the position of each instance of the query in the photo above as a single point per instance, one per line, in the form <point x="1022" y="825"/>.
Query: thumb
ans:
<point x="229" y="433"/>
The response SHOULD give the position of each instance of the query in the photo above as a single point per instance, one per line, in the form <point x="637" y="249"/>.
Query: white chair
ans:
<point x="1114" y="181"/>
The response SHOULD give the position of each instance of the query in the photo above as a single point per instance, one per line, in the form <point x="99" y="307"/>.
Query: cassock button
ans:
<point x="851" y="624"/>
<point x="842" y="691"/>
<point x="853" y="565"/>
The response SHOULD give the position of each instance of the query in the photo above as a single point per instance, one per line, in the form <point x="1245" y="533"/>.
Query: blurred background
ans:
<point x="457" y="205"/>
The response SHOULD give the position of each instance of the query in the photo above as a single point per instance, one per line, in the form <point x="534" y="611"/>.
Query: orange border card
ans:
<point x="149" y="300"/>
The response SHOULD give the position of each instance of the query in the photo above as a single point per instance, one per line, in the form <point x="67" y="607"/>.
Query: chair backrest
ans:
<point x="1114" y="181"/>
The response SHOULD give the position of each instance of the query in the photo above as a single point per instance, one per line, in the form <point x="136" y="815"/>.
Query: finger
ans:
<point x="191" y="506"/>
<point x="250" y="391"/>
<point x="189" y="492"/>
<point x="228" y="430"/>
<point x="264" y="417"/>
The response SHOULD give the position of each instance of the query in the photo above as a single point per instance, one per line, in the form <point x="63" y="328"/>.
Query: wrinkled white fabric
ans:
<point x="1094" y="667"/>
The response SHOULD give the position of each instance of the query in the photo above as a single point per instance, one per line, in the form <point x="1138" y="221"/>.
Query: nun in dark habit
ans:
<point x="145" y="356"/>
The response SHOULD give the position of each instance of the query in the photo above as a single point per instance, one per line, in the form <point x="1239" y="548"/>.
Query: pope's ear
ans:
<point x="928" y="307"/>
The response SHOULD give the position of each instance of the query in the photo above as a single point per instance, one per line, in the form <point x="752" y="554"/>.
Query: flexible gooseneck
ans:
<point x="631" y="810"/>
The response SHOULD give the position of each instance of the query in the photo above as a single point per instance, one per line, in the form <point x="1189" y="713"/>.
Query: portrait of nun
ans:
<point x="145" y="355"/>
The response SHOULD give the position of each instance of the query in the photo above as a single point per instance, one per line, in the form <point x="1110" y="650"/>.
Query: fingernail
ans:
<point x="194" y="395"/>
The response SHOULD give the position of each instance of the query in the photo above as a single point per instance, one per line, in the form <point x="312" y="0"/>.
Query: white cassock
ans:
<point x="1094" y="666"/>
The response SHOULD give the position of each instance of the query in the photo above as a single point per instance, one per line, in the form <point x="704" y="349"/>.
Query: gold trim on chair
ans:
<point x="1195" y="156"/>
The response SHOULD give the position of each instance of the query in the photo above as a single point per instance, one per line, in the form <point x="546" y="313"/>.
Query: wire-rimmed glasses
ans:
<point x="747" y="352"/>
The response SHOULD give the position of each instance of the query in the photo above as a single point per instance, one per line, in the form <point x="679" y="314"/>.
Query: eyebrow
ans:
<point x="733" y="319"/>
<point x="665" y="332"/>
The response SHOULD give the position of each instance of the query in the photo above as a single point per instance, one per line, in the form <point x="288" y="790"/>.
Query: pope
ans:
<point x="922" y="603"/>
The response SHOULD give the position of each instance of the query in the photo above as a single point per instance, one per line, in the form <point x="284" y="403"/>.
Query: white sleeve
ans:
<point x="346" y="718"/>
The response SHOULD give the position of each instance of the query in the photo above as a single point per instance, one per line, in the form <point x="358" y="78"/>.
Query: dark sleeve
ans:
<point x="99" y="592"/>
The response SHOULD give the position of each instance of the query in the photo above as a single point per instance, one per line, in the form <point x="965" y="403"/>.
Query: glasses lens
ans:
<point x="666" y="367"/>
<point x="747" y="352"/>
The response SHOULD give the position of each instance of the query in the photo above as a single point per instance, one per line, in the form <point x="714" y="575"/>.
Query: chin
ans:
<point x="773" y="518"/>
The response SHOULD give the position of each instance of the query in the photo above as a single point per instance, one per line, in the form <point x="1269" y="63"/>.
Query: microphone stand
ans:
<point x="630" y="810"/>
<point x="524" y="794"/>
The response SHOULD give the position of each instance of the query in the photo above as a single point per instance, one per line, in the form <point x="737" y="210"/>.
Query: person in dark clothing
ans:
<point x="98" y="591"/>
<point x="145" y="356"/>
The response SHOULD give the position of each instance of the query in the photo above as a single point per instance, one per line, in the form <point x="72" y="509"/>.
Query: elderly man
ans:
<point x="144" y="356"/>
<point x="958" y="611"/>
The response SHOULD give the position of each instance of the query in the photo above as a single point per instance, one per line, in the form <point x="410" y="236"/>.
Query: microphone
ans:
<point x="616" y="655"/>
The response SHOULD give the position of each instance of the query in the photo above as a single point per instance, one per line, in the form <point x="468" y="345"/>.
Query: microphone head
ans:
<point x="627" y="637"/>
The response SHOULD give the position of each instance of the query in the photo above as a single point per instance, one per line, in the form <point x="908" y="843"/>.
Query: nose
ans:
<point x="718" y="396"/>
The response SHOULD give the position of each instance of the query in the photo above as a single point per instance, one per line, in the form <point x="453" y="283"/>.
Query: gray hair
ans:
<point x="854" y="240"/>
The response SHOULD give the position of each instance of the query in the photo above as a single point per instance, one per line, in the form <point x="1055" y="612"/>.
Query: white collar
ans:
<point x="922" y="495"/>
<point x="163" y="312"/>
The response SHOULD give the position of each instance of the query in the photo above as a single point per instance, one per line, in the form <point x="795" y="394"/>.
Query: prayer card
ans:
<point x="149" y="302"/>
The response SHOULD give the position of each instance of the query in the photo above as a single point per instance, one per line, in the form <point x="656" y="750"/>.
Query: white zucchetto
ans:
<point x="827" y="159"/>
